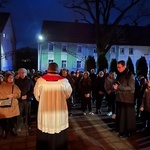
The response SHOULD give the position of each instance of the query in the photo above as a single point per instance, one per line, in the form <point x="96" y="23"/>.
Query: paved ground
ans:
<point x="85" y="133"/>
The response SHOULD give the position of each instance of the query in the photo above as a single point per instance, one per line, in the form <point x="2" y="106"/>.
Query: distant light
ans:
<point x="40" y="37"/>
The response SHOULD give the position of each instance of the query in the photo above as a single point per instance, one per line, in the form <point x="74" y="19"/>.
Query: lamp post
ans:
<point x="40" y="40"/>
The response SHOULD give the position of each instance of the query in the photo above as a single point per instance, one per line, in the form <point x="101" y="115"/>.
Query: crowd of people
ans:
<point x="127" y="97"/>
<point x="18" y="87"/>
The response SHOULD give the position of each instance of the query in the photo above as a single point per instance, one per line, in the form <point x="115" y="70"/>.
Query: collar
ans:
<point x="52" y="77"/>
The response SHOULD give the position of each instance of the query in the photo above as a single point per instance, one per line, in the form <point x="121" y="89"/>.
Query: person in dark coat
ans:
<point x="85" y="86"/>
<point x="93" y="77"/>
<point x="26" y="86"/>
<point x="142" y="88"/>
<point x="110" y="92"/>
<point x="145" y="108"/>
<point x="99" y="91"/>
<point x="125" y="111"/>
<point x="76" y="77"/>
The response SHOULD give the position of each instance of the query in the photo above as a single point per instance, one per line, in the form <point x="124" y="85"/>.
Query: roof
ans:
<point x="68" y="32"/>
<point x="139" y="35"/>
<point x="3" y="19"/>
<point x="74" y="32"/>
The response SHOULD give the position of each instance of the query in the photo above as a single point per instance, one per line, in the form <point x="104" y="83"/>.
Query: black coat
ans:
<point x="126" y="88"/>
<point x="26" y="86"/>
<point x="125" y="111"/>
<point x="99" y="85"/>
<point x="85" y="86"/>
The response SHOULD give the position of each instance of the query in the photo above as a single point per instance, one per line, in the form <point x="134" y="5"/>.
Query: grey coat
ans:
<point x="126" y="88"/>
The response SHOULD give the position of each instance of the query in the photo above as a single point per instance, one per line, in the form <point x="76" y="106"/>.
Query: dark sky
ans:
<point x="28" y="15"/>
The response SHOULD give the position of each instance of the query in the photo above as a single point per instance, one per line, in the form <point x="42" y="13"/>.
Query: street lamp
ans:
<point x="40" y="40"/>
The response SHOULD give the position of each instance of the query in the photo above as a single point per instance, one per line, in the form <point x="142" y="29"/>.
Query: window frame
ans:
<point x="64" y="47"/>
<point x="79" y="64"/>
<point x="130" y="49"/>
<point x="122" y="50"/>
<point x="79" y="48"/>
<point x="50" y="45"/>
<point x="63" y="63"/>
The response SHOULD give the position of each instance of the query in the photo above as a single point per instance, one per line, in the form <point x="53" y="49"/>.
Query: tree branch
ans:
<point x="3" y="2"/>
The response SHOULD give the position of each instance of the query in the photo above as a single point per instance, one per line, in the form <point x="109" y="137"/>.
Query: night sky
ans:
<point x="28" y="15"/>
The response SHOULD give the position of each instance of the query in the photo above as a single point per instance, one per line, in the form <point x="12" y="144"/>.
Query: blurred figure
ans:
<point x="16" y="76"/>
<point x="136" y="95"/>
<point x="1" y="78"/>
<point x="33" y="72"/>
<point x="34" y="103"/>
<point x="99" y="91"/>
<point x="51" y="91"/>
<point x="76" y="77"/>
<point x="8" y="114"/>
<point x="110" y="92"/>
<point x="93" y="77"/>
<point x="106" y="74"/>
<point x="85" y="86"/>
<point x="145" y="108"/>
<point x="142" y="88"/>
<point x="65" y="74"/>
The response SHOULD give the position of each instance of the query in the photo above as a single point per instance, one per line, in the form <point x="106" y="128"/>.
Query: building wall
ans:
<point x="7" y="47"/>
<point x="138" y="51"/>
<point x="71" y="56"/>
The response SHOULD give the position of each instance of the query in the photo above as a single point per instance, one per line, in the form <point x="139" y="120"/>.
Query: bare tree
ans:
<point x="102" y="13"/>
<point x="142" y="13"/>
<point x="3" y="3"/>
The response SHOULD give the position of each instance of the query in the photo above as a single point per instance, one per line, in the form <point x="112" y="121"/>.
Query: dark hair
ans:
<point x="122" y="62"/>
<point x="7" y="76"/>
<point x="53" y="67"/>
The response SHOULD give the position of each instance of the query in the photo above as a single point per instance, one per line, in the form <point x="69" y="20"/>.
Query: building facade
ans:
<point x="7" y="43"/>
<point x="69" y="44"/>
<point x="73" y="55"/>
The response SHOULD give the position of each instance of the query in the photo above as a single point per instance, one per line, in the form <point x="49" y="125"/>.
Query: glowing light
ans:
<point x="40" y="37"/>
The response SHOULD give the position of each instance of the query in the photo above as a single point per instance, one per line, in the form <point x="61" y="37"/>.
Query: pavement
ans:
<point x="90" y="132"/>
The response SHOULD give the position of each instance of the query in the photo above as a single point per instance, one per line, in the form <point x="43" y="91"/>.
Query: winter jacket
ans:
<point x="6" y="89"/>
<point x="126" y="87"/>
<point x="99" y="85"/>
<point x="26" y="86"/>
<point x="85" y="86"/>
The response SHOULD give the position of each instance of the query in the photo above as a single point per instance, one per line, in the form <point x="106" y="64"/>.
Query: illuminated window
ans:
<point x="78" y="64"/>
<point x="122" y="51"/>
<point x="113" y="50"/>
<point x="50" y="47"/>
<point x="95" y="50"/>
<point x="50" y="61"/>
<point x="79" y="49"/>
<point x="64" y="64"/>
<point x="4" y="35"/>
<point x="64" y="48"/>
<point x="130" y="51"/>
